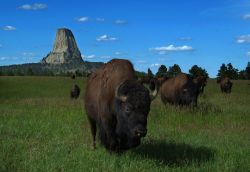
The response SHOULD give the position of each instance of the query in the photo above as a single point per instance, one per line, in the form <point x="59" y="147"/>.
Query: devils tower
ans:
<point x="65" y="49"/>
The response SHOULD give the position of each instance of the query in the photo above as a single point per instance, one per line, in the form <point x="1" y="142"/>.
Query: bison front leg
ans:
<point x="110" y="139"/>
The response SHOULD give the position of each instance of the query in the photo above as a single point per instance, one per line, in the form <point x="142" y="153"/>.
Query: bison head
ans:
<point x="189" y="94"/>
<point x="132" y="105"/>
<point x="227" y="86"/>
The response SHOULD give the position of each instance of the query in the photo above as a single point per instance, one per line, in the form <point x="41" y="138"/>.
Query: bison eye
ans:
<point x="127" y="109"/>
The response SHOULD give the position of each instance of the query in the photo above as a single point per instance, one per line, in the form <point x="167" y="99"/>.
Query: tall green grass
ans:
<point x="42" y="129"/>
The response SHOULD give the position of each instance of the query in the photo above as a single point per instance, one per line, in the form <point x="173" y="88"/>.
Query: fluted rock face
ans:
<point x="65" y="49"/>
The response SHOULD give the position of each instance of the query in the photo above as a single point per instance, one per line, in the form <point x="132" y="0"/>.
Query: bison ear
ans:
<point x="119" y="93"/>
<point x="153" y="94"/>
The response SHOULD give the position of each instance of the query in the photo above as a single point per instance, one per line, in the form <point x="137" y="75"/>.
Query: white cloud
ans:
<point x="82" y="19"/>
<point x="90" y="56"/>
<point x="29" y="54"/>
<point x="8" y="28"/>
<point x="8" y="58"/>
<point x="105" y="57"/>
<point x="185" y="38"/>
<point x="171" y="48"/>
<point x="3" y="58"/>
<point x="243" y="39"/>
<point x="106" y="38"/>
<point x="246" y="17"/>
<point x="120" y="22"/>
<point x="35" y="6"/>
<point x="155" y="65"/>
<point x="141" y="61"/>
<point x="162" y="52"/>
<point x="100" y="19"/>
<point x="118" y="53"/>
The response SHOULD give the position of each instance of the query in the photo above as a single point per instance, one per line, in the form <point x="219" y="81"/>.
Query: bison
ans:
<point x="118" y="105"/>
<point x="73" y="76"/>
<point x="180" y="90"/>
<point x="225" y="85"/>
<point x="145" y="79"/>
<point x="75" y="92"/>
<point x="161" y="80"/>
<point x="201" y="82"/>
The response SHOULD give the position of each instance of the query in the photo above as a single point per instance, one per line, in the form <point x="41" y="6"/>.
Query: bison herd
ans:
<point x="117" y="103"/>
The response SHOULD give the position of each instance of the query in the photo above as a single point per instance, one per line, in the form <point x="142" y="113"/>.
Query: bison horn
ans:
<point x="153" y="93"/>
<point x="123" y="98"/>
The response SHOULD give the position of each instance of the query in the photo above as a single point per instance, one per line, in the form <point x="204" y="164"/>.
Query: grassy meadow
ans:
<point x="42" y="129"/>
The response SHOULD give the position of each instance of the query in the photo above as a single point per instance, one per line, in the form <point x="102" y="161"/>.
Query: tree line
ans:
<point x="31" y="72"/>
<point x="174" y="70"/>
<point x="224" y="71"/>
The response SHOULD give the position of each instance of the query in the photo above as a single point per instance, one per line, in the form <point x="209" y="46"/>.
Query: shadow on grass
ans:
<point x="174" y="154"/>
<point x="206" y="107"/>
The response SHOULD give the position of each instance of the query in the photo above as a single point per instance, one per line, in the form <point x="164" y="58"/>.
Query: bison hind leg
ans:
<point x="93" y="131"/>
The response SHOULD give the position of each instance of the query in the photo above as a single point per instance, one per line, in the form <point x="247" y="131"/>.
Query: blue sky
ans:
<point x="147" y="32"/>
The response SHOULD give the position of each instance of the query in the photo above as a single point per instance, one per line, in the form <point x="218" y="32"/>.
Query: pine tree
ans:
<point x="162" y="71"/>
<point x="174" y="70"/>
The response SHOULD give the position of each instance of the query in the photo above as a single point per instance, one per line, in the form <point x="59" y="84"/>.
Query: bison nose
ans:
<point x="140" y="132"/>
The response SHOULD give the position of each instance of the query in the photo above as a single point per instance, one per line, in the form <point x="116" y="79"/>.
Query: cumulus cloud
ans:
<point x="3" y="58"/>
<point x="171" y="48"/>
<point x="8" y="28"/>
<point x="82" y="19"/>
<point x="155" y="65"/>
<point x="29" y="54"/>
<point x="246" y="17"/>
<point x="120" y="22"/>
<point x="90" y="56"/>
<point x="243" y="39"/>
<point x="185" y="38"/>
<point x="100" y="19"/>
<point x="119" y="53"/>
<point x="141" y="61"/>
<point x="106" y="38"/>
<point x="36" y="6"/>
<point x="8" y="58"/>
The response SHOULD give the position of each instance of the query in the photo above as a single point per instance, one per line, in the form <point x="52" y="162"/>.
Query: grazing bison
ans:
<point x="118" y="104"/>
<point x="201" y="82"/>
<point x="73" y="76"/>
<point x="145" y="80"/>
<point x="161" y="80"/>
<point x="225" y="85"/>
<point x="75" y="92"/>
<point x="180" y="90"/>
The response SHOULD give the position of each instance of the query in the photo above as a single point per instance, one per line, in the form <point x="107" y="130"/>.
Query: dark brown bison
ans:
<point x="75" y="92"/>
<point x="145" y="80"/>
<point x="225" y="85"/>
<point x="118" y="104"/>
<point x="180" y="90"/>
<point x="161" y="80"/>
<point x="201" y="82"/>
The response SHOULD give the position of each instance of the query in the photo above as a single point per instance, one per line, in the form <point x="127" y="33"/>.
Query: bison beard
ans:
<point x="119" y="106"/>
